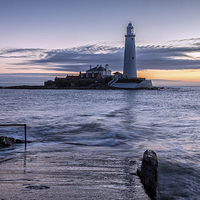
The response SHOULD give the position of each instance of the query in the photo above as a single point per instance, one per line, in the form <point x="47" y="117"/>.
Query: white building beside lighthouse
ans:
<point x="129" y="69"/>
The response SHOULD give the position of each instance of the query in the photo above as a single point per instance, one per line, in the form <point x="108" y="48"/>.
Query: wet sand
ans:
<point x="63" y="175"/>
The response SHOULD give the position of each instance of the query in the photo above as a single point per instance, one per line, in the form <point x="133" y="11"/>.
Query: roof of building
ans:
<point x="72" y="77"/>
<point x="96" y="69"/>
<point x="117" y="73"/>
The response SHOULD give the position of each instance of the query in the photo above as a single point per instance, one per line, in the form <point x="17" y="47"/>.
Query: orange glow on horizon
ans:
<point x="192" y="75"/>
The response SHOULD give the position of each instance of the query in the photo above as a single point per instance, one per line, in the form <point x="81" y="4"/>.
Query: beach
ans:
<point x="63" y="175"/>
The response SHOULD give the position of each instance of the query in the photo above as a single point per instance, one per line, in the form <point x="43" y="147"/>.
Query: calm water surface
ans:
<point x="117" y="122"/>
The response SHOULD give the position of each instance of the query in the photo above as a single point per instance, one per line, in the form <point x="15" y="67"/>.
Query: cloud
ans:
<point x="178" y="54"/>
<point x="74" y="59"/>
<point x="168" y="58"/>
<point x="15" y="50"/>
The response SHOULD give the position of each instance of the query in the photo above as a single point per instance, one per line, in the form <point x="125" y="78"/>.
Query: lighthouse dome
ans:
<point x="130" y="25"/>
<point x="130" y="29"/>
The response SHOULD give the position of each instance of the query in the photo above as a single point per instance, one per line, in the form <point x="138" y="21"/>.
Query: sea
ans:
<point x="113" y="122"/>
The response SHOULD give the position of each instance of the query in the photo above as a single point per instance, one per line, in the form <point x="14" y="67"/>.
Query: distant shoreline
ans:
<point x="102" y="87"/>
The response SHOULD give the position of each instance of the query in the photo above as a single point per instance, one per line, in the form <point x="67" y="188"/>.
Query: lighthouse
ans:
<point x="129" y="78"/>
<point x="129" y="70"/>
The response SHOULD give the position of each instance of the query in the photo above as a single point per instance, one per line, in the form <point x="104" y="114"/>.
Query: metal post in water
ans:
<point x="25" y="134"/>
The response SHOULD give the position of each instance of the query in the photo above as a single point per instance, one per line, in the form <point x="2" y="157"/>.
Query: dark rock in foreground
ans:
<point x="8" y="141"/>
<point x="148" y="173"/>
<point x="19" y="141"/>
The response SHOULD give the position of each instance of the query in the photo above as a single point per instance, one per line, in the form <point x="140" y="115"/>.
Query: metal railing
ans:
<point x="18" y="125"/>
<point x="114" y="80"/>
<point x="110" y="82"/>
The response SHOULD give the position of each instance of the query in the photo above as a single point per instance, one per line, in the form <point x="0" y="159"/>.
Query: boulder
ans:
<point x="19" y="141"/>
<point x="6" y="141"/>
<point x="149" y="173"/>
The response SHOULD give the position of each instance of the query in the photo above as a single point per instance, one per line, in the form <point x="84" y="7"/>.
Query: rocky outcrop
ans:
<point x="8" y="141"/>
<point x="146" y="84"/>
<point x="149" y="172"/>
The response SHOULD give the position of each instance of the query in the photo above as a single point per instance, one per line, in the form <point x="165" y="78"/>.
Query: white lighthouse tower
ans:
<point x="129" y="70"/>
<point x="129" y="78"/>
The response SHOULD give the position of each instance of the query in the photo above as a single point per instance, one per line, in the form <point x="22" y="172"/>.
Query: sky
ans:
<point x="42" y="39"/>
